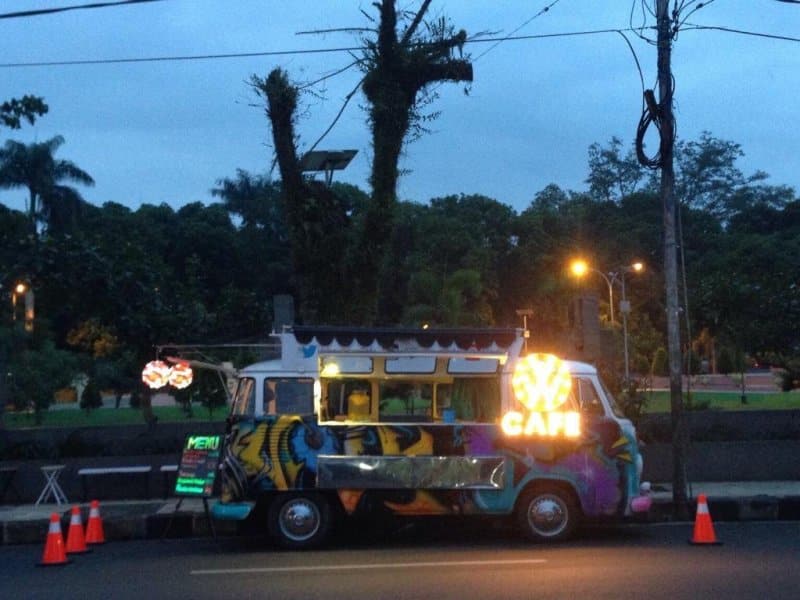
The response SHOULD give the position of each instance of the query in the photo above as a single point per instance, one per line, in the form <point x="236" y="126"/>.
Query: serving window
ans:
<point x="410" y="389"/>
<point x="475" y="399"/>
<point x="405" y="401"/>
<point x="348" y="399"/>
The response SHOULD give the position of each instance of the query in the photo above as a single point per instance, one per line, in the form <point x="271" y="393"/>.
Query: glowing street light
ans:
<point x="23" y="291"/>
<point x="580" y="267"/>
<point x="625" y="308"/>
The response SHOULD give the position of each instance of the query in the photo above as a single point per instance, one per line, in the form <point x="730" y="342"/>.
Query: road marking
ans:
<point x="361" y="567"/>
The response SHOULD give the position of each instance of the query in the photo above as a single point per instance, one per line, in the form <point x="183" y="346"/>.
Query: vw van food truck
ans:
<point x="425" y="422"/>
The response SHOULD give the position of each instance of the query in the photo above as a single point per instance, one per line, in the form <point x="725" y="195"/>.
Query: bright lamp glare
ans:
<point x="579" y="268"/>
<point x="330" y="369"/>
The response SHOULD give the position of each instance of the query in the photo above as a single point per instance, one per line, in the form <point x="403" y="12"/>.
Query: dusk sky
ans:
<point x="167" y="130"/>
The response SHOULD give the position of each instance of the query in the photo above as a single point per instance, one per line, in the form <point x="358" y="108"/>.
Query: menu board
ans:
<point x="198" y="467"/>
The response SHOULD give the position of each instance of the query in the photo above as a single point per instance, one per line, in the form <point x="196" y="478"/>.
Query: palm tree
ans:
<point x="254" y="199"/>
<point x="34" y="167"/>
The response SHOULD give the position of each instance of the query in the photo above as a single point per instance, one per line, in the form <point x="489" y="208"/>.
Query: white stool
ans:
<point x="51" y="487"/>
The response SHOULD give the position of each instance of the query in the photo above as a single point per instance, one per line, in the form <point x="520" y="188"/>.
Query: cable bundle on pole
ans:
<point x="650" y="115"/>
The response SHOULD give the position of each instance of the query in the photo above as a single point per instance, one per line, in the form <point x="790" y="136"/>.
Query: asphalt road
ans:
<point x="756" y="560"/>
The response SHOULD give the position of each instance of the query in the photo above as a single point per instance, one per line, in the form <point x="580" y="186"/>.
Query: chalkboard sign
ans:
<point x="198" y="468"/>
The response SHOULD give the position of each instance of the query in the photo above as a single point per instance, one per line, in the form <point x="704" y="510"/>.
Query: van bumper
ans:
<point x="232" y="511"/>
<point x="642" y="502"/>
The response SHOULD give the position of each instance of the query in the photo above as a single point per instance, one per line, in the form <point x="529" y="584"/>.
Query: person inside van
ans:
<point x="269" y="399"/>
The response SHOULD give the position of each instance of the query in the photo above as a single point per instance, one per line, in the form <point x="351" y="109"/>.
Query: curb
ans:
<point x="753" y="508"/>
<point x="194" y="524"/>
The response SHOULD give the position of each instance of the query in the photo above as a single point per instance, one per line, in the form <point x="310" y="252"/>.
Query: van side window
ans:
<point x="348" y="399"/>
<point x="405" y="401"/>
<point x="244" y="402"/>
<point x="587" y="397"/>
<point x="475" y="399"/>
<point x="294" y="396"/>
<point x="288" y="396"/>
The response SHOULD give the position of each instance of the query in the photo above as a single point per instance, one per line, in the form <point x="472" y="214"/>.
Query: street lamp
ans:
<point x="23" y="290"/>
<point x="625" y="308"/>
<point x="580" y="267"/>
<point x="525" y="313"/>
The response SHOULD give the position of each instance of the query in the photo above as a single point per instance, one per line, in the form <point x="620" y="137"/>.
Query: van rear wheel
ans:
<point x="299" y="521"/>
<point x="547" y="513"/>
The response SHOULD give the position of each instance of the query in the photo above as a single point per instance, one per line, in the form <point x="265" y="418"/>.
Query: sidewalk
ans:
<point x="122" y="520"/>
<point x="148" y="519"/>
<point x="735" y="500"/>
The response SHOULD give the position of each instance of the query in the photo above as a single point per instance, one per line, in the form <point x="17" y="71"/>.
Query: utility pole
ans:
<point x="3" y="371"/>
<point x="667" y="192"/>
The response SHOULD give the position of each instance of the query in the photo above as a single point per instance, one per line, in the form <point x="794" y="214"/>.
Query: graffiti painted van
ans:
<point x="425" y="422"/>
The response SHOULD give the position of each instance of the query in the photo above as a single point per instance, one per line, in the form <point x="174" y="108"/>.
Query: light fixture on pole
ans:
<point x="625" y="308"/>
<point x="580" y="267"/>
<point x="525" y="313"/>
<point x="24" y="292"/>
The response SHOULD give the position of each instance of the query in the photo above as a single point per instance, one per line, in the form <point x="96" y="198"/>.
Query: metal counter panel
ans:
<point x="412" y="472"/>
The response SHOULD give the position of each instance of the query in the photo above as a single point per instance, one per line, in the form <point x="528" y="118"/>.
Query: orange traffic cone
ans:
<point x="94" y="527"/>
<point x="54" y="553"/>
<point x="703" y="527"/>
<point x="76" y="543"/>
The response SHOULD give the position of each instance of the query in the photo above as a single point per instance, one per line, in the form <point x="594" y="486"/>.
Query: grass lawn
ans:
<point x="658" y="402"/>
<point x="109" y="416"/>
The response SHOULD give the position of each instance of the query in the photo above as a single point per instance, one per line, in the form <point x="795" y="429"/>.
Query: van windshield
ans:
<point x="244" y="401"/>
<point x="612" y="403"/>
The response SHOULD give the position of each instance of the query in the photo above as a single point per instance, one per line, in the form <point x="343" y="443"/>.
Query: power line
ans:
<point x="49" y="11"/>
<point x="539" y="14"/>
<point x="107" y="61"/>
<point x="770" y="36"/>
<point x="111" y="61"/>
<point x="678" y="17"/>
<point x="104" y="61"/>
<point x="635" y="58"/>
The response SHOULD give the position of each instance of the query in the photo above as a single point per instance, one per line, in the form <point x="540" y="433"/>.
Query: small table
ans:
<point x="51" y="487"/>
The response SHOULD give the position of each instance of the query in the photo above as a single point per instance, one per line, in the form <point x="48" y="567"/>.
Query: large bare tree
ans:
<point x="399" y="68"/>
<point x="316" y="218"/>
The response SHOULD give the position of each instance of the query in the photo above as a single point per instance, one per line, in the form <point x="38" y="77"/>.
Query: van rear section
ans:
<point x="421" y="422"/>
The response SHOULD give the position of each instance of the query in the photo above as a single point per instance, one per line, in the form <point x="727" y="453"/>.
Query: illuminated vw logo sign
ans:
<point x="541" y="382"/>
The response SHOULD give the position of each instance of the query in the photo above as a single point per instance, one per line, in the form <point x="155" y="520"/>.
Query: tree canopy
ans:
<point x="34" y="167"/>
<point x="27" y="108"/>
<point x="111" y="282"/>
<point x="122" y="281"/>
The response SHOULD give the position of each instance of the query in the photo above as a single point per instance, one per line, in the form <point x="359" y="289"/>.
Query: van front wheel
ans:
<point x="547" y="513"/>
<point x="299" y="521"/>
